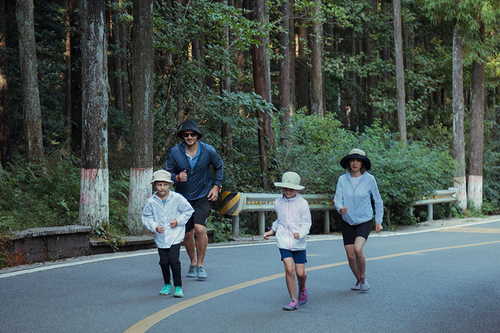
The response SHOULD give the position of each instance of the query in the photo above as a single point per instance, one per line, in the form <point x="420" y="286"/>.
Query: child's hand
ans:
<point x="378" y="228"/>
<point x="159" y="229"/>
<point x="296" y="235"/>
<point x="343" y="210"/>
<point x="267" y="234"/>
<point x="174" y="223"/>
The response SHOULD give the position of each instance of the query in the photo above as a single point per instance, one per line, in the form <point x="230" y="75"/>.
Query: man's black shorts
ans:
<point x="200" y="215"/>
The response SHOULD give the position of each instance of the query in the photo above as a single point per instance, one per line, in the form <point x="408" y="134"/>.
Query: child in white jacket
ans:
<point x="291" y="228"/>
<point x="165" y="214"/>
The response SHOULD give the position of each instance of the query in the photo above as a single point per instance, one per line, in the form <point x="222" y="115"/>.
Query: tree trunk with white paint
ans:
<point x="142" y="113"/>
<point x="29" y="82"/>
<point x="458" y="118"/>
<point x="475" y="184"/>
<point x="94" y="191"/>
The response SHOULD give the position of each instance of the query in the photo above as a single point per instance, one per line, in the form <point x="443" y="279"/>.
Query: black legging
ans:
<point x="169" y="259"/>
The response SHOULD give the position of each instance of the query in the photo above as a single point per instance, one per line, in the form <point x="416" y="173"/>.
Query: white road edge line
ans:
<point x="154" y="251"/>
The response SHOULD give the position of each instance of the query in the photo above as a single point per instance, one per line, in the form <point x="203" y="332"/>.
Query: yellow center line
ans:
<point x="473" y="230"/>
<point x="148" y="322"/>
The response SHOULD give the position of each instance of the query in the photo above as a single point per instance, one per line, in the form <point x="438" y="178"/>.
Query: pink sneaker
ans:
<point x="303" y="296"/>
<point x="291" y="306"/>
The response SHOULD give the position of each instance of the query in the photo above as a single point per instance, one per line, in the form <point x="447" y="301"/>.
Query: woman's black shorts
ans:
<point x="350" y="232"/>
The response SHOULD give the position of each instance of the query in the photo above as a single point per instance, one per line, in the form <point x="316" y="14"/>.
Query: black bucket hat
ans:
<point x="189" y="125"/>
<point x="356" y="153"/>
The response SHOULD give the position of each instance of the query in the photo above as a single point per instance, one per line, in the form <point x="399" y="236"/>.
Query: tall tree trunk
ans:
<point x="5" y="140"/>
<point x="458" y="117"/>
<point x="117" y="58"/>
<point x="317" y="105"/>
<point x="29" y="82"/>
<point x="291" y="54"/>
<point x="352" y="109"/>
<point x="67" y="78"/>
<point x="226" y="136"/>
<point x="124" y="44"/>
<point x="76" y="75"/>
<point x="284" y="85"/>
<point x="475" y="183"/>
<point x="141" y="169"/>
<point x="94" y="191"/>
<point x="262" y="84"/>
<point x="400" y="79"/>
<point x="303" y="70"/>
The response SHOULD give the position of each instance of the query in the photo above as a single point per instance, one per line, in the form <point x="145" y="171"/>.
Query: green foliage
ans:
<point x="317" y="144"/>
<point x="47" y="195"/>
<point x="221" y="225"/>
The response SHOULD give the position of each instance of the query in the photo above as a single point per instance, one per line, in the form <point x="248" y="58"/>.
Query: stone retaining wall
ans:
<point x="41" y="244"/>
<point x="55" y="243"/>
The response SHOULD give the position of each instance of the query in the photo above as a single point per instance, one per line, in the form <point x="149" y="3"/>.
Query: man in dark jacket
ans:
<point x="189" y="163"/>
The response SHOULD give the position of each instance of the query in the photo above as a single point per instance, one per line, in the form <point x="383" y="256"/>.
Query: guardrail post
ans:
<point x="236" y="225"/>
<point x="326" y="222"/>
<point x="430" y="212"/>
<point x="262" y="223"/>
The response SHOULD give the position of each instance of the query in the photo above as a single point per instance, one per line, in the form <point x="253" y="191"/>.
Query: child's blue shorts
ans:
<point x="299" y="257"/>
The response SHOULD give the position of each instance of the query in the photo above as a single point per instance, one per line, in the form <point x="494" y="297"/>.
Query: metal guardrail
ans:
<point x="235" y="202"/>
<point x="440" y="196"/>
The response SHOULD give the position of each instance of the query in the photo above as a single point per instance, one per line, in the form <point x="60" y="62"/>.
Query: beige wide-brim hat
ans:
<point x="290" y="180"/>
<point x="162" y="176"/>
<point x="356" y="153"/>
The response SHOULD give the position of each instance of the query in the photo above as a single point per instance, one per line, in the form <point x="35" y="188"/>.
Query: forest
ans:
<point x="92" y="94"/>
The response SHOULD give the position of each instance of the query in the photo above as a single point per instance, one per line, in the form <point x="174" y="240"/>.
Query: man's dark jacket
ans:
<point x="199" y="180"/>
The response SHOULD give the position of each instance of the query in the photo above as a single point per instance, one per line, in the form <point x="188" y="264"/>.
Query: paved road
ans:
<point x="434" y="281"/>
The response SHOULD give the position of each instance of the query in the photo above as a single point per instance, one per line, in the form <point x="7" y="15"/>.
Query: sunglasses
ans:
<point x="186" y="135"/>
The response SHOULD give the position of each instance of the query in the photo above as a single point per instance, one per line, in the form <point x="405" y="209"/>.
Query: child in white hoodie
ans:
<point x="291" y="228"/>
<point x="165" y="214"/>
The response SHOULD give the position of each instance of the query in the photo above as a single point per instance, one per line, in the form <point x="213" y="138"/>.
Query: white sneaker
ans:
<point x="357" y="286"/>
<point x="364" y="284"/>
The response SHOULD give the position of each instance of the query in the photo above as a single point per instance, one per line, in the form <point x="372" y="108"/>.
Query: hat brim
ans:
<point x="163" y="180"/>
<point x="289" y="185"/>
<point x="344" y="162"/>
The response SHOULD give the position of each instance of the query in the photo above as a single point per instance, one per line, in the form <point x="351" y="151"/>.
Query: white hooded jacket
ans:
<point x="293" y="216"/>
<point x="156" y="213"/>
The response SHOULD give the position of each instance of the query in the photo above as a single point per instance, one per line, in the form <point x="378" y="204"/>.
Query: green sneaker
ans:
<point x="178" y="292"/>
<point x="166" y="289"/>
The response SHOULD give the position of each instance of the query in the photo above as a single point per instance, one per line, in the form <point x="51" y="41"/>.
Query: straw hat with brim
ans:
<point x="162" y="176"/>
<point x="189" y="125"/>
<point x="356" y="153"/>
<point x="290" y="180"/>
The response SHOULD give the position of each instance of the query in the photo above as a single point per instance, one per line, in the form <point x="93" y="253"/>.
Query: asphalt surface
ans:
<point x="437" y="277"/>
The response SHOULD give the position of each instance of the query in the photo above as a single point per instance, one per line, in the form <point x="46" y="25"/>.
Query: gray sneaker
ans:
<point x="202" y="275"/>
<point x="192" y="272"/>
<point x="364" y="284"/>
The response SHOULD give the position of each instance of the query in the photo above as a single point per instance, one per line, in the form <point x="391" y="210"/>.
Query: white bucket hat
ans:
<point x="162" y="176"/>
<point x="290" y="180"/>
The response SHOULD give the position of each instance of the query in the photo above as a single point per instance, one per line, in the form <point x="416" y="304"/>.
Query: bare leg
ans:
<point x="359" y="243"/>
<point x="290" y="277"/>
<point x="300" y="270"/>
<point x="351" y="258"/>
<point x="201" y="243"/>
<point x="190" y="246"/>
